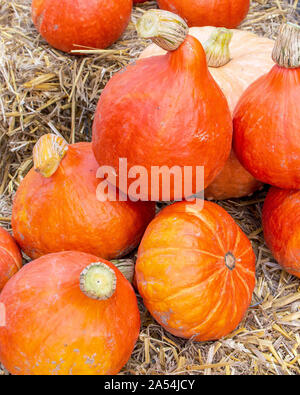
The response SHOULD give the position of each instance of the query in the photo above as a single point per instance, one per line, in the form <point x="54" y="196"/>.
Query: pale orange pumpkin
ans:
<point x="235" y="58"/>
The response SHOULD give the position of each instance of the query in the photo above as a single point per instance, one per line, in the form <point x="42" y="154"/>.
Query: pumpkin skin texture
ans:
<point x="223" y="13"/>
<point x="69" y="25"/>
<point x="233" y="181"/>
<point x="281" y="224"/>
<point x="62" y="212"/>
<point x="247" y="51"/>
<point x="53" y="328"/>
<point x="182" y="276"/>
<point x="10" y="257"/>
<point x="266" y="128"/>
<point x="153" y="129"/>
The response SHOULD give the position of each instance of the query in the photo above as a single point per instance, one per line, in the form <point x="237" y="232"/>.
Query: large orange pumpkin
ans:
<point x="70" y="25"/>
<point x="236" y="59"/>
<point x="196" y="271"/>
<point x="225" y="13"/>
<point x="68" y="313"/>
<point x="10" y="257"/>
<point x="57" y="206"/>
<point x="164" y="111"/>
<point x="281" y="224"/>
<point x="267" y="117"/>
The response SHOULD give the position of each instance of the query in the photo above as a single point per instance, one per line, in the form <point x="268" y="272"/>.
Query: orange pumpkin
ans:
<point x="69" y="25"/>
<point x="57" y="206"/>
<point x="10" y="257"/>
<point x="226" y="13"/>
<point x="281" y="224"/>
<point x="229" y="53"/>
<point x="196" y="271"/>
<point x="164" y="111"/>
<point x="68" y="313"/>
<point x="267" y="117"/>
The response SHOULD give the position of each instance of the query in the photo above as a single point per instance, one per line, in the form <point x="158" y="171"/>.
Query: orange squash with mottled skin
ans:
<point x="196" y="271"/>
<point x="70" y="25"/>
<point x="10" y="257"/>
<point x="223" y="13"/>
<point x="267" y="117"/>
<point x="281" y="224"/>
<point x="164" y="111"/>
<point x="53" y="328"/>
<point x="62" y="212"/>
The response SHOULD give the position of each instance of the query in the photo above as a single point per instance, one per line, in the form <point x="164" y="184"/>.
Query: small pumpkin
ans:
<point x="196" y="271"/>
<point x="69" y="25"/>
<point x="68" y="313"/>
<point x="223" y="13"/>
<point x="185" y="126"/>
<point x="58" y="206"/>
<point x="281" y="224"/>
<point x="267" y="117"/>
<point x="10" y="257"/>
<point x="229" y="54"/>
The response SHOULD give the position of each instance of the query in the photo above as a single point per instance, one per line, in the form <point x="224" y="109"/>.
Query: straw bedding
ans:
<point x="43" y="90"/>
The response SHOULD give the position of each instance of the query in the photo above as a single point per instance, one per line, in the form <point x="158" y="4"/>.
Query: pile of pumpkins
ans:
<point x="71" y="310"/>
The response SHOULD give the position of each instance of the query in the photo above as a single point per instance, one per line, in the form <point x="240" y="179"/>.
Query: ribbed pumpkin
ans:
<point x="267" y="117"/>
<point x="164" y="111"/>
<point x="224" y="13"/>
<point x="10" y="257"/>
<point x="196" y="271"/>
<point x="70" y="25"/>
<point x="68" y="313"/>
<point x="281" y="224"/>
<point x="57" y="206"/>
<point x="236" y="59"/>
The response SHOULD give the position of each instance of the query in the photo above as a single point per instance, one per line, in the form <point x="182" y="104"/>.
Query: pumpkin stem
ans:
<point x="126" y="267"/>
<point x="217" y="47"/>
<point x="286" y="52"/>
<point x="48" y="153"/>
<point x="164" y="28"/>
<point x="230" y="260"/>
<point x="98" y="281"/>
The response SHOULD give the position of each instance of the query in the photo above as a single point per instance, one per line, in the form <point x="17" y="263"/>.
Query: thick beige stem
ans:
<point x="164" y="28"/>
<point x="217" y="47"/>
<point x="48" y="153"/>
<point x="98" y="281"/>
<point x="286" y="52"/>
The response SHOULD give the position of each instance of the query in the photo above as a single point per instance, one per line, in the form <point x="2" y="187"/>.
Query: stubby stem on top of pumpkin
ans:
<point x="126" y="267"/>
<point x="98" y="281"/>
<point x="48" y="153"/>
<point x="164" y="28"/>
<point x="286" y="52"/>
<point x="230" y="260"/>
<point x="217" y="47"/>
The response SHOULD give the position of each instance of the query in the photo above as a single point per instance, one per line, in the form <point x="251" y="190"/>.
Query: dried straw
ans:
<point x="44" y="90"/>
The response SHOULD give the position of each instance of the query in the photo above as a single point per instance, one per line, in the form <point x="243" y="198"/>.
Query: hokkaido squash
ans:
<point x="69" y="25"/>
<point x="267" y="117"/>
<point x="224" y="13"/>
<point x="68" y="313"/>
<point x="229" y="54"/>
<point x="58" y="206"/>
<point x="196" y="271"/>
<point x="281" y="224"/>
<point x="10" y="257"/>
<point x="164" y="111"/>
